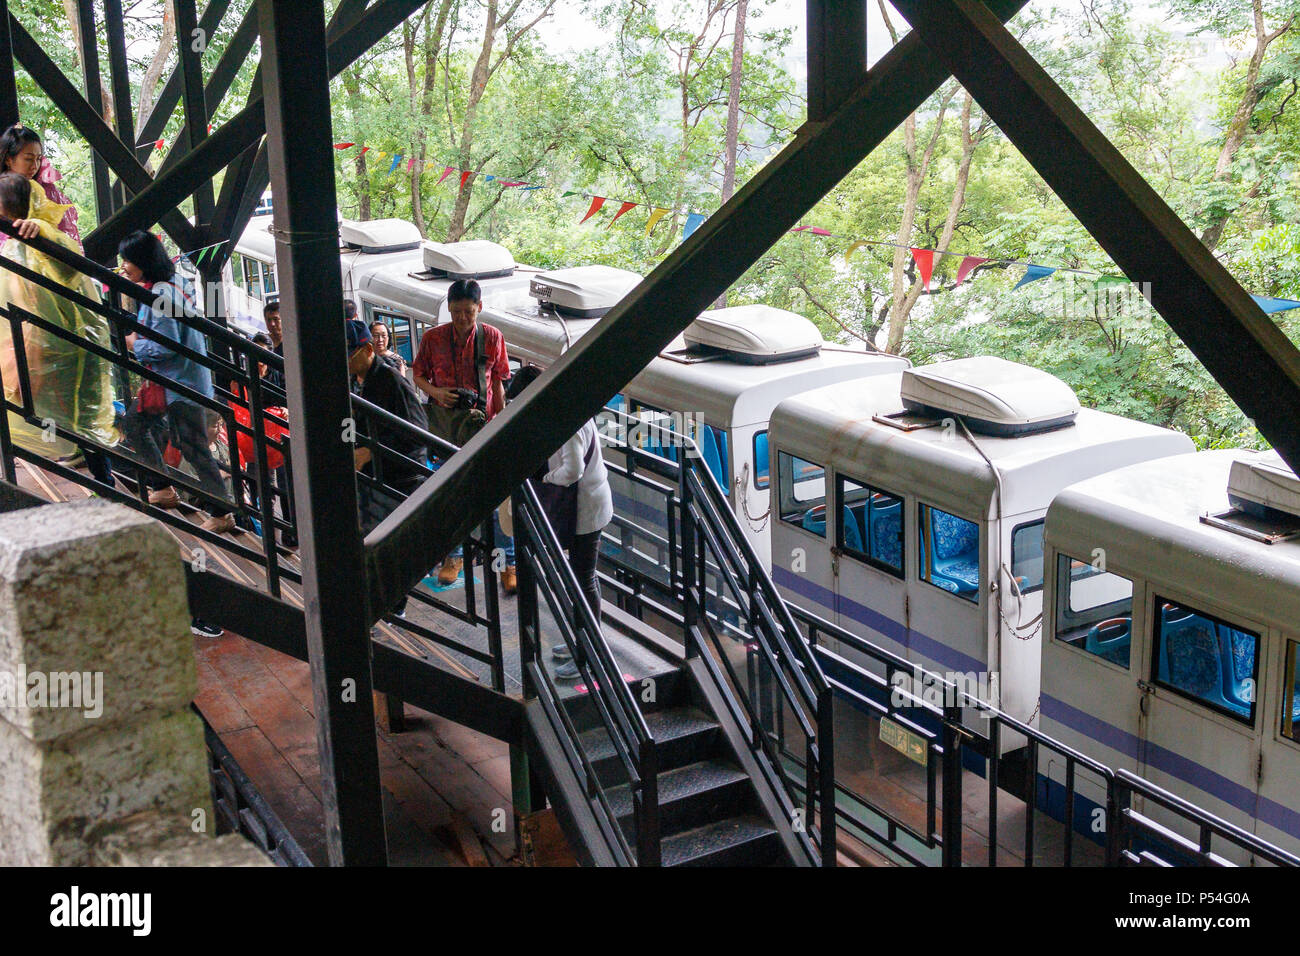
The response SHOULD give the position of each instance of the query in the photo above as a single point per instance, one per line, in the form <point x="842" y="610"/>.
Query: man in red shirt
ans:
<point x="444" y="363"/>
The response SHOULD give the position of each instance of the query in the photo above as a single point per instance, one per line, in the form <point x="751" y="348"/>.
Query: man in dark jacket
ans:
<point x="402" y="460"/>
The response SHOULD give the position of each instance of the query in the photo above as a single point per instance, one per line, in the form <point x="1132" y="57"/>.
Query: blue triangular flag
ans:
<point x="1275" y="305"/>
<point x="1033" y="274"/>
<point x="396" y="162"/>
<point x="488" y="179"/>
<point x="693" y="221"/>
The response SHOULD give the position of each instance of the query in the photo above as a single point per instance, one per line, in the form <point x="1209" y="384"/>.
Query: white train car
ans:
<point x="937" y="480"/>
<point x="1172" y="629"/>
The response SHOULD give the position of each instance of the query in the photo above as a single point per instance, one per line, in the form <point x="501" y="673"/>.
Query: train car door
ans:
<point x="947" y="603"/>
<point x="1200" y="712"/>
<point x="801" y="541"/>
<point x="1278" y="817"/>
<point x="871" y="586"/>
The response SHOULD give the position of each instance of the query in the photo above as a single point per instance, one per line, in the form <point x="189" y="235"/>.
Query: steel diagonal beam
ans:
<point x="492" y="464"/>
<point x="227" y="67"/>
<point x="1239" y="345"/>
<point x="237" y="134"/>
<point x="91" y="125"/>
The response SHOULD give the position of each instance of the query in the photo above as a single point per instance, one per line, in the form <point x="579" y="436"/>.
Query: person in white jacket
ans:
<point x="574" y="490"/>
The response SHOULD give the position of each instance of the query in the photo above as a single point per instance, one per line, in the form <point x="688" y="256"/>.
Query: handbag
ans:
<point x="151" y="399"/>
<point x="274" y="431"/>
<point x="459" y="425"/>
<point x="560" y="502"/>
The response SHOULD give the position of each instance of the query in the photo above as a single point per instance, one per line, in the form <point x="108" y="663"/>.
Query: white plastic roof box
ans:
<point x="991" y="395"/>
<point x="757" y="334"/>
<point x="380" y="235"/>
<point x="1264" y="480"/>
<point x="584" y="291"/>
<point x="468" y="259"/>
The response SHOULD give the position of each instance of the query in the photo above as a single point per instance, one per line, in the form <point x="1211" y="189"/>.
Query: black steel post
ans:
<point x="95" y="98"/>
<point x="296" y="84"/>
<point x="119" y="73"/>
<point x="837" y="53"/>
<point x="952" y="810"/>
<point x="8" y="81"/>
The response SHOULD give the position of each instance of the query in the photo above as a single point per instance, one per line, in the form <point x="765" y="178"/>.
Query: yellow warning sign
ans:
<point x="910" y="745"/>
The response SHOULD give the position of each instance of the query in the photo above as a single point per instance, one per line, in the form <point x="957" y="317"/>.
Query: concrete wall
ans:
<point x="101" y="759"/>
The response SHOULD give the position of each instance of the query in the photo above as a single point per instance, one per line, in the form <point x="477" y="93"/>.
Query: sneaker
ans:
<point x="203" y="629"/>
<point x="450" y="571"/>
<point x="567" y="671"/>
<point x="509" y="581"/>
<point x="219" y="525"/>
<point x="561" y="652"/>
<point x="164" y="497"/>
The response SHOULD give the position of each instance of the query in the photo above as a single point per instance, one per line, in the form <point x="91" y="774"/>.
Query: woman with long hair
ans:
<point x="22" y="152"/>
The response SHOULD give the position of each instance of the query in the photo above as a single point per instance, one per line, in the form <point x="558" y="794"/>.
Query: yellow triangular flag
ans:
<point x="380" y="153"/>
<point x="853" y="247"/>
<point x="655" y="215"/>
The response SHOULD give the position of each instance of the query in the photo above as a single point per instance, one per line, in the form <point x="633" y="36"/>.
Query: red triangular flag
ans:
<point x="364" y="150"/>
<point x="159" y="144"/>
<point x="447" y="171"/>
<point x="968" y="266"/>
<point x="464" y="177"/>
<point x="626" y="207"/>
<point x="411" y="164"/>
<point x="512" y="183"/>
<point x="924" y="264"/>
<point x="596" y="203"/>
<point x="817" y="231"/>
<point x="343" y="145"/>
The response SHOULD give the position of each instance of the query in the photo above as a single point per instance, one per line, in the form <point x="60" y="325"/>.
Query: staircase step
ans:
<point x="688" y="796"/>
<point x="747" y="840"/>
<point x="683" y="735"/>
<point x="670" y="691"/>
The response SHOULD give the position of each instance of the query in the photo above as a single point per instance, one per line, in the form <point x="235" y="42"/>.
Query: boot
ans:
<point x="509" y="582"/>
<point x="450" y="571"/>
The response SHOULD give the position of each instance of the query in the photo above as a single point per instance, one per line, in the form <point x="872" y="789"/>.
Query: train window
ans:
<point x="803" y="493"/>
<point x="236" y="268"/>
<point x="1206" y="659"/>
<point x="268" y="278"/>
<point x="871" y="525"/>
<point x="950" y="552"/>
<point x="1094" y="610"/>
<point x="1027" y="556"/>
<point x="399" y="332"/>
<point x="1291" y="695"/>
<point x="711" y="442"/>
<point x="253" y="277"/>
<point x="760" y="460"/>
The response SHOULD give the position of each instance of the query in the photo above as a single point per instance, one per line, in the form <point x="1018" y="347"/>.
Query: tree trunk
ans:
<point x="477" y="87"/>
<point x="1240" y="123"/>
<point x="152" y="75"/>
<point x="352" y="86"/>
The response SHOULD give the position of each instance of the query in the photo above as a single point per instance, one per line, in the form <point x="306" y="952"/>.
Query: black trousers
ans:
<point x="187" y="427"/>
<point x="582" y="558"/>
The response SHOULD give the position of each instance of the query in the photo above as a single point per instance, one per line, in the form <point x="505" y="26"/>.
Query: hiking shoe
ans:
<point x="450" y="571"/>
<point x="561" y="652"/>
<point x="219" y="525"/>
<point x="567" y="671"/>
<point x="509" y="581"/>
<point x="164" y="498"/>
<point x="203" y="629"/>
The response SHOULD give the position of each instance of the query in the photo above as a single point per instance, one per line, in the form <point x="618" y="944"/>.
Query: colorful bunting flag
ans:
<point x="924" y="259"/>
<point x="596" y="203"/>
<point x="817" y="231"/>
<point x="514" y="183"/>
<point x="364" y="150"/>
<point x="464" y="177"/>
<point x="529" y="189"/>
<point x="1271" y="306"/>
<point x="968" y="265"/>
<point x="854" y="246"/>
<point x="626" y="207"/>
<point x="410" y="164"/>
<point x="446" y="171"/>
<point x="655" y="215"/>
<point x="693" y="221"/>
<point x="397" y="161"/>
<point x="343" y="145"/>
<point x="488" y="178"/>
<point x="1033" y="274"/>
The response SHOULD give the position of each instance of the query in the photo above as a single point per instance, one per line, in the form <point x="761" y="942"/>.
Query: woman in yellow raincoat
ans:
<point x="71" y="386"/>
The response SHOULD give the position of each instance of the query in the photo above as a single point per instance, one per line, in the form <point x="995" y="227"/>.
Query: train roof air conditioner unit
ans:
<point x="1262" y="483"/>
<point x="586" y="292"/>
<point x="468" y="259"/>
<point x="379" y="235"/>
<point x="754" y="334"/>
<point x="991" y="395"/>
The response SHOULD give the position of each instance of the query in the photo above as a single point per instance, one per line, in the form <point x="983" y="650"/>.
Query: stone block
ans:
<point x="153" y="839"/>
<point x="54" y="794"/>
<point x="92" y="597"/>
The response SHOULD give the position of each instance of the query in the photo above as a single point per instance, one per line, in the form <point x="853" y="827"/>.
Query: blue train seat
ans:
<point x="814" y="520"/>
<point x="956" y="565"/>
<point x="887" y="533"/>
<point x="714" y="454"/>
<point x="1192" y="660"/>
<point x="1110" y="640"/>
<point x="1239" y="649"/>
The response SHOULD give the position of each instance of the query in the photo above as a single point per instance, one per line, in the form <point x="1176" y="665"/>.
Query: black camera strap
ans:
<point x="480" y="362"/>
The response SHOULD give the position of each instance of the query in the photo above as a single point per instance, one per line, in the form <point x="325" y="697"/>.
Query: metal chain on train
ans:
<point x="1021" y="632"/>
<point x="741" y="484"/>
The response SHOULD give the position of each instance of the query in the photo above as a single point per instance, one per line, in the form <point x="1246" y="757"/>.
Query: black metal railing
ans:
<point x="258" y="495"/>
<point x="241" y="808"/>
<point x="544" y="570"/>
